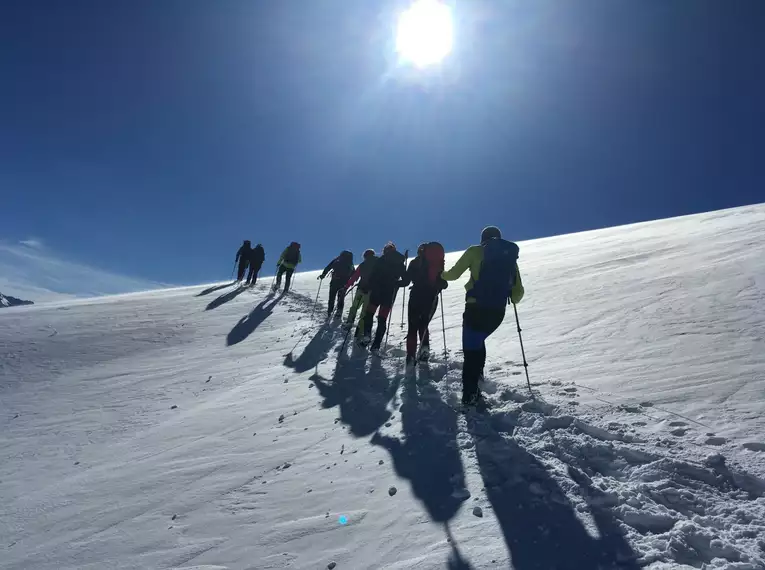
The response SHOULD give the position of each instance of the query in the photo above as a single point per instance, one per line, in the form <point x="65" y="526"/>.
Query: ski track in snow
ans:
<point x="219" y="428"/>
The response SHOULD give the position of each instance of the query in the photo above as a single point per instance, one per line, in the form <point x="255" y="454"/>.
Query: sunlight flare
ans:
<point x="424" y="33"/>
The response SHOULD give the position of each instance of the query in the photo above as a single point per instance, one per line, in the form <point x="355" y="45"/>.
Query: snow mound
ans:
<point x="221" y="428"/>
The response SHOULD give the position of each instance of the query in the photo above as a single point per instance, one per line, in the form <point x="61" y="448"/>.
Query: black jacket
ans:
<point x="244" y="253"/>
<point x="387" y="272"/>
<point x="257" y="255"/>
<point x="417" y="276"/>
<point x="341" y="267"/>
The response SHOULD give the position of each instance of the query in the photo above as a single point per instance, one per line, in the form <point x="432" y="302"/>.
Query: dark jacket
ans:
<point x="341" y="267"/>
<point x="417" y="276"/>
<point x="243" y="255"/>
<point x="387" y="272"/>
<point x="363" y="271"/>
<point x="257" y="255"/>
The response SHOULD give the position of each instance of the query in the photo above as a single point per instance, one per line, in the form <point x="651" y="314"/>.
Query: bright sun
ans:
<point x="424" y="35"/>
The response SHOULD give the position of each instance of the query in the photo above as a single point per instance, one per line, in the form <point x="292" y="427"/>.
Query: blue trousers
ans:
<point x="478" y="323"/>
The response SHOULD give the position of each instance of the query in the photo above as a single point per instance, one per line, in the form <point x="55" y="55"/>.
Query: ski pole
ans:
<point x="523" y="352"/>
<point x="390" y="318"/>
<point x="355" y="306"/>
<point x="443" y="328"/>
<point x="404" y="301"/>
<point x="316" y="301"/>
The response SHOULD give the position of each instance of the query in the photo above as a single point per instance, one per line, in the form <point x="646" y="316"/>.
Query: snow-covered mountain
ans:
<point x="216" y="428"/>
<point x="8" y="301"/>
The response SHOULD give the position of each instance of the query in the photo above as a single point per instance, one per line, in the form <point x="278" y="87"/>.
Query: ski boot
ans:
<point x="364" y="341"/>
<point x="423" y="355"/>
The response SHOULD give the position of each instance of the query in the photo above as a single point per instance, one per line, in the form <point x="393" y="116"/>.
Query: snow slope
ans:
<point x="215" y="428"/>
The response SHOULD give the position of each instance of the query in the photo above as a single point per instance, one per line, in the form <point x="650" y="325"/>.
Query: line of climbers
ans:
<point x="253" y="257"/>
<point x="494" y="283"/>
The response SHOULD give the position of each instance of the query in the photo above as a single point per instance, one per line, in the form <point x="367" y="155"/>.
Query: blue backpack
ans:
<point x="497" y="277"/>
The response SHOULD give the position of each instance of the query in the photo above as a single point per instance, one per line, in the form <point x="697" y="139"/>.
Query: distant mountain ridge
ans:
<point x="8" y="301"/>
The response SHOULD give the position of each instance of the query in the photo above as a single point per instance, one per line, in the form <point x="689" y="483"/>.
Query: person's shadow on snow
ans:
<point x="539" y="523"/>
<point x="362" y="397"/>
<point x="429" y="455"/>
<point x="214" y="288"/>
<point x="248" y="323"/>
<point x="225" y="298"/>
<point x="316" y="350"/>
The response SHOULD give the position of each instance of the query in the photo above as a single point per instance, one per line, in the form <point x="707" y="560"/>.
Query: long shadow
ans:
<point x="214" y="288"/>
<point x="248" y="323"/>
<point x="225" y="298"/>
<point x="361" y="397"/>
<point x="539" y="523"/>
<point x="316" y="350"/>
<point x="429" y="456"/>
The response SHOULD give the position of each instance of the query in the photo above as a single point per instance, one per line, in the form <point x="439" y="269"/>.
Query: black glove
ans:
<point x="320" y="277"/>
<point x="443" y="284"/>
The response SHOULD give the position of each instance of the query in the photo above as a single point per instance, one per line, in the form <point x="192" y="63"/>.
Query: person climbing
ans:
<point x="494" y="283"/>
<point x="383" y="284"/>
<point x="424" y="273"/>
<point x="257" y="257"/>
<point x="243" y="258"/>
<point x="361" y="298"/>
<point x="288" y="261"/>
<point x="342" y="268"/>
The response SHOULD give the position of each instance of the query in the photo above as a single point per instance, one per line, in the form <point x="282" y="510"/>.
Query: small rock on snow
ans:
<point x="208" y="379"/>
<point x="392" y="491"/>
<point x="477" y="511"/>
<point x="281" y="418"/>
<point x="715" y="460"/>
<point x="380" y="462"/>
<point x="175" y="517"/>
<point x="331" y="565"/>
<point x="173" y="407"/>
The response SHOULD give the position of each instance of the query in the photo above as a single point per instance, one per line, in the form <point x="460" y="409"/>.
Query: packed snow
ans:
<point x="213" y="427"/>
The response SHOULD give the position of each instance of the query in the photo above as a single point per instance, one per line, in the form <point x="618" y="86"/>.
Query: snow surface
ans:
<point x="214" y="428"/>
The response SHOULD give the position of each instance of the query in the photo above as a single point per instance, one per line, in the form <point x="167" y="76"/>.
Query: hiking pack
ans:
<point x="498" y="271"/>
<point x="293" y="253"/>
<point x="433" y="262"/>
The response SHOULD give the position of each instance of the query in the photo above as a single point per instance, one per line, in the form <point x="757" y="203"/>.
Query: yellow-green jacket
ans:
<point x="286" y="264"/>
<point x="472" y="259"/>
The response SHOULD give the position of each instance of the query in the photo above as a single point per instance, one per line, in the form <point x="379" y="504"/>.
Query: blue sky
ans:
<point x="148" y="138"/>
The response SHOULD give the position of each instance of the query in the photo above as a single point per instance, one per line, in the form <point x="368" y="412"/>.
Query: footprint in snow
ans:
<point x="679" y="432"/>
<point x="754" y="446"/>
<point x="677" y="424"/>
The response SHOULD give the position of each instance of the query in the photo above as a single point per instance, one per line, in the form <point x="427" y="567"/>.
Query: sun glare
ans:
<point x="424" y="35"/>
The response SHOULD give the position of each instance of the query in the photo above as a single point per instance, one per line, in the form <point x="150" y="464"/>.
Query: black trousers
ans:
<point x="477" y="324"/>
<point x="382" y="299"/>
<point x="421" y="309"/>
<point x="288" y="273"/>
<point x="336" y="291"/>
<point x="241" y="270"/>
<point x="252" y="276"/>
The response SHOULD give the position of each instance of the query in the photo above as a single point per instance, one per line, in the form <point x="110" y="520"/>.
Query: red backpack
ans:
<point x="433" y="261"/>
